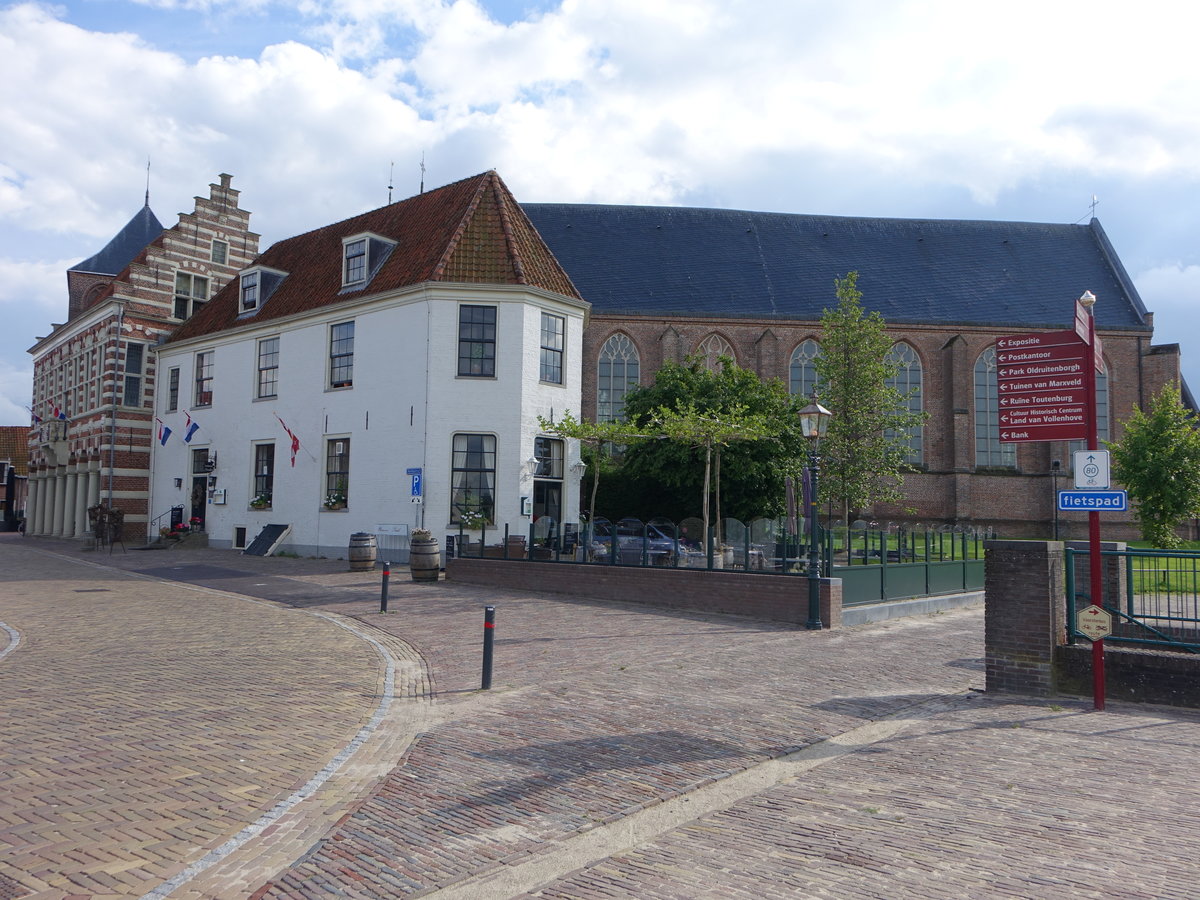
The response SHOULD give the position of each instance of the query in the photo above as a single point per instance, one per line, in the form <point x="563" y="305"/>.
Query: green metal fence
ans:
<point x="1158" y="602"/>
<point x="875" y="563"/>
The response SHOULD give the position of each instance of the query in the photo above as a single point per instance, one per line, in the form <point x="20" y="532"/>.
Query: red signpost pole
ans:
<point x="1087" y="302"/>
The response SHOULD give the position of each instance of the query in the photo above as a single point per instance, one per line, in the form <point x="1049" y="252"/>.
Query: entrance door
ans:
<point x="199" y="500"/>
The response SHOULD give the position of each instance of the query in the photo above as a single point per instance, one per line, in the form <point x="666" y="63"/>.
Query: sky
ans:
<point x="1025" y="111"/>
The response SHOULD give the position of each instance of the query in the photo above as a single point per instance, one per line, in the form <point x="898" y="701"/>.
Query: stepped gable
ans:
<point x="678" y="261"/>
<point x="470" y="231"/>
<point x="139" y="231"/>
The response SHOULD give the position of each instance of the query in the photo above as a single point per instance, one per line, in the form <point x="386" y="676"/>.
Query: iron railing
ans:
<point x="1157" y="600"/>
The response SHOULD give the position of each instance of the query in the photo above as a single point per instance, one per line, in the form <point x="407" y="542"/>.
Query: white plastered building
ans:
<point x="409" y="351"/>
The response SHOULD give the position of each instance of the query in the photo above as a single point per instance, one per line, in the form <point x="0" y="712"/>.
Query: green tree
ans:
<point x="1158" y="461"/>
<point x="863" y="453"/>
<point x="709" y="432"/>
<point x="594" y="436"/>
<point x="670" y="473"/>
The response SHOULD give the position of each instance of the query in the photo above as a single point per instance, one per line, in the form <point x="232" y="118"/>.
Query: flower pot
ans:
<point x="424" y="559"/>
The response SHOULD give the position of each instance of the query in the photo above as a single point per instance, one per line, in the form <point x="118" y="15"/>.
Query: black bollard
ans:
<point x="489" y="633"/>
<point x="387" y="571"/>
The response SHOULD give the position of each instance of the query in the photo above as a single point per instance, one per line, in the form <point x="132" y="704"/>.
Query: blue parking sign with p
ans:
<point x="416" y="484"/>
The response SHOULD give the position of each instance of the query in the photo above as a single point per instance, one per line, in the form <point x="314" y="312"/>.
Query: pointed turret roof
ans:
<point x="472" y="231"/>
<point x="120" y="251"/>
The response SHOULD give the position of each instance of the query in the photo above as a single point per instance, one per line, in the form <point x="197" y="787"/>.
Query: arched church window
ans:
<point x="619" y="370"/>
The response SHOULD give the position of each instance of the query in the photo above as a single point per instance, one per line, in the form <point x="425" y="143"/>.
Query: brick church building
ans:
<point x="94" y="375"/>
<point x="666" y="282"/>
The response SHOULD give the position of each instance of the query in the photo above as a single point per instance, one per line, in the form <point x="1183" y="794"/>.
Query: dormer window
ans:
<point x="255" y="288"/>
<point x="250" y="291"/>
<point x="356" y="262"/>
<point x="362" y="256"/>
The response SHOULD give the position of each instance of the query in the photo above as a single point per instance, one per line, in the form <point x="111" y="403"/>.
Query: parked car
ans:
<point x="651" y="544"/>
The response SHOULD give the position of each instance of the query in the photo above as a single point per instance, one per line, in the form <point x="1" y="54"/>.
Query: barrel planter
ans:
<point x="363" y="549"/>
<point x="424" y="559"/>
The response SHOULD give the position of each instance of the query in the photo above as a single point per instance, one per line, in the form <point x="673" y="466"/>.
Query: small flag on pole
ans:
<point x="164" y="433"/>
<point x="295" y="440"/>
<point x="59" y="414"/>
<point x="189" y="428"/>
<point x="37" y="420"/>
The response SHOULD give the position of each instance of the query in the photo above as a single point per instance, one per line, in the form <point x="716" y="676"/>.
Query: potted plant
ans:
<point x="336" y="499"/>
<point x="197" y="523"/>
<point x="261" y="501"/>
<point x="424" y="555"/>
<point x="473" y="520"/>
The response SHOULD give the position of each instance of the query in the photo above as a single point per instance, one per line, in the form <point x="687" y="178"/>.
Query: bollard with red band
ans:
<point x="489" y="633"/>
<point x="387" y="571"/>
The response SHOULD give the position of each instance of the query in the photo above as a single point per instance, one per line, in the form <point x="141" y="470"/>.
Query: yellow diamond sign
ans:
<point x="1094" y="623"/>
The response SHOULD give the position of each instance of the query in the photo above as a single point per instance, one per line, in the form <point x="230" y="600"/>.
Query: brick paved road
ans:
<point x="633" y="753"/>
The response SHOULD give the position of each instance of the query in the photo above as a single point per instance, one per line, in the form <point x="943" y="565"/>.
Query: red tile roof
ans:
<point x="14" y="446"/>
<point x="471" y="231"/>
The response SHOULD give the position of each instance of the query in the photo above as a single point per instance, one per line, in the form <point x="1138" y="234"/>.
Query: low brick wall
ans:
<point x="1025" y="635"/>
<point x="1143" y="676"/>
<point x="776" y="598"/>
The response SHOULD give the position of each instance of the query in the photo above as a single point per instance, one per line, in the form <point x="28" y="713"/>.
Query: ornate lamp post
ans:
<point x="814" y="420"/>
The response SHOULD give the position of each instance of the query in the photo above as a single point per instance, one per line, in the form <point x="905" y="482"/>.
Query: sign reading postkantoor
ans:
<point x="1042" y="394"/>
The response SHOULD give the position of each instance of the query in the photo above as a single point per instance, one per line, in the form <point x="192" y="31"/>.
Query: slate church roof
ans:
<point x="674" y="261"/>
<point x="471" y="231"/>
<point x="139" y="231"/>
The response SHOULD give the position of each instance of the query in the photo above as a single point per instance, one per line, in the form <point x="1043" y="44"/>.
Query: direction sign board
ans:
<point x="1094" y="623"/>
<point x="1093" y="501"/>
<point x="1091" y="470"/>
<point x="1040" y="382"/>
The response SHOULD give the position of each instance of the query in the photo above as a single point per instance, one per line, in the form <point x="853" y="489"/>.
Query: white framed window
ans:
<point x="473" y="476"/>
<point x="477" y="340"/>
<point x="191" y="293"/>
<point x="264" y="475"/>
<point x="256" y="286"/>
<point x="268" y="368"/>
<point x="337" y="473"/>
<point x="341" y="355"/>
<point x="135" y="355"/>
<point x="362" y="255"/>
<point x="250" y="291"/>
<point x="619" y="369"/>
<point x="220" y="252"/>
<point x="554" y="330"/>
<point x="204" y="379"/>
<point x="173" y="390"/>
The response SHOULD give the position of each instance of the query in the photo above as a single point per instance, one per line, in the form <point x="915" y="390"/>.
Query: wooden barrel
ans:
<point x="362" y="552"/>
<point x="424" y="560"/>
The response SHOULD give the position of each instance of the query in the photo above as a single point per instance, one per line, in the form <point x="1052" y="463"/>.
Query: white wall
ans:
<point x="394" y="415"/>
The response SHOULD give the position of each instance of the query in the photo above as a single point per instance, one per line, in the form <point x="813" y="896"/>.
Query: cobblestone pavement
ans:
<point x="623" y="752"/>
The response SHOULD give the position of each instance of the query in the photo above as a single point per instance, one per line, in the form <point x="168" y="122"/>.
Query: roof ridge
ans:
<point x="506" y="226"/>
<point x="439" y="267"/>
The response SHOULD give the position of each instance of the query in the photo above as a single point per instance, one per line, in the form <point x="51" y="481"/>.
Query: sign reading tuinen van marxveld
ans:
<point x="1041" y="386"/>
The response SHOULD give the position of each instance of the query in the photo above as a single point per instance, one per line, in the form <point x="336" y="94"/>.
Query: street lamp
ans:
<point x="814" y="420"/>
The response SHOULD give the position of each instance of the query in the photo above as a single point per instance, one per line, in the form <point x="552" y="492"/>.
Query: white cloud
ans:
<point x="758" y="103"/>
<point x="15" y="392"/>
